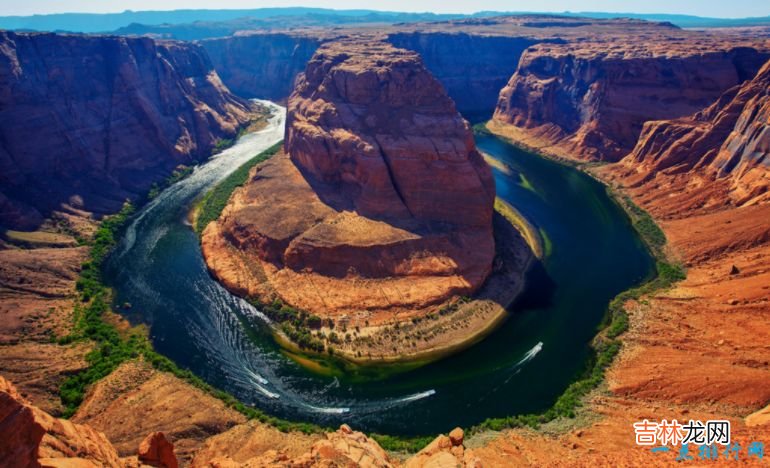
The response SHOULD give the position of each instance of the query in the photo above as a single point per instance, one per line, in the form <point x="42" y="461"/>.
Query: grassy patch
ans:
<point x="607" y="343"/>
<point x="255" y="124"/>
<point x="110" y="349"/>
<point x="402" y="444"/>
<point x="650" y="232"/>
<point x="481" y="129"/>
<point x="113" y="348"/>
<point x="215" y="200"/>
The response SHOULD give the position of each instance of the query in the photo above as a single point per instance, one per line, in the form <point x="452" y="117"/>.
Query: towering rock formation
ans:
<point x="90" y="121"/>
<point x="383" y="201"/>
<point x="728" y="141"/>
<point x="379" y="210"/>
<point x="372" y="119"/>
<point x="589" y="100"/>
<point x="31" y="437"/>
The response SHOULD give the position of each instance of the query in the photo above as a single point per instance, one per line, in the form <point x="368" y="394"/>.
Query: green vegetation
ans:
<point x="254" y="124"/>
<point x="650" y="232"/>
<point x="605" y="347"/>
<point x="297" y="325"/>
<point x="481" y="129"/>
<point x="210" y="208"/>
<point x="402" y="444"/>
<point x="223" y="144"/>
<point x="112" y="347"/>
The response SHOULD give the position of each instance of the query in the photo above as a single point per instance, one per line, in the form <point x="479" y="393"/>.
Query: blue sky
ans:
<point x="715" y="8"/>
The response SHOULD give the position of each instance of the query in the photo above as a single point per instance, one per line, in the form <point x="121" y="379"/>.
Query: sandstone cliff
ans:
<point x="90" y="121"/>
<point x="31" y="437"/>
<point x="372" y="119"/>
<point x="590" y="100"/>
<point x="261" y="65"/>
<point x="729" y="141"/>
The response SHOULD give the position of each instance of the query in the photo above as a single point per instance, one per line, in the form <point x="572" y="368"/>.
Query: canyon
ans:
<point x="681" y="118"/>
<point x="89" y="122"/>
<point x="261" y="65"/>
<point x="703" y="176"/>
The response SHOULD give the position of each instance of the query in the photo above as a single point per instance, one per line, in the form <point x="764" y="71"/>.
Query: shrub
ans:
<point x="216" y="199"/>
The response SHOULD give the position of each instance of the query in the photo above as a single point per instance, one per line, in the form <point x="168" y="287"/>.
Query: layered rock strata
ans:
<point x="31" y="437"/>
<point x="589" y="101"/>
<point x="728" y="142"/>
<point x="87" y="122"/>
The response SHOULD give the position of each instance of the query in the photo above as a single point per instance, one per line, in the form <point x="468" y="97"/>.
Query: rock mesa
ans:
<point x="380" y="203"/>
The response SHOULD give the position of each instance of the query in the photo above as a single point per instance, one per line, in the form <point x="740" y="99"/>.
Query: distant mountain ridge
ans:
<point x="105" y="22"/>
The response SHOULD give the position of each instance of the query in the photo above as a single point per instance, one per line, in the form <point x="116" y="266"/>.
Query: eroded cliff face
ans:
<point x="88" y="122"/>
<point x="472" y="68"/>
<point x="728" y="142"/>
<point x="589" y="101"/>
<point x="382" y="201"/>
<point x="261" y="65"/>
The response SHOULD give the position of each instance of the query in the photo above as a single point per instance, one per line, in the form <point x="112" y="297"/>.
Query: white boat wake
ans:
<point x="530" y="354"/>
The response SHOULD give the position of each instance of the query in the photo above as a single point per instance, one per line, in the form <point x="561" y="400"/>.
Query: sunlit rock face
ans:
<point x="380" y="202"/>
<point x="728" y="141"/>
<point x="589" y="100"/>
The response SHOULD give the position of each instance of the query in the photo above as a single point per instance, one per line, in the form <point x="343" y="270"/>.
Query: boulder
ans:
<point x="156" y="450"/>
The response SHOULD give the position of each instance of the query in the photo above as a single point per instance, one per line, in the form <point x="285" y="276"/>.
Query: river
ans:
<point x="592" y="253"/>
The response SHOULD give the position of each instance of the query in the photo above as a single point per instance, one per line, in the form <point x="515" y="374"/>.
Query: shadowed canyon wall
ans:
<point x="261" y="65"/>
<point x="472" y="68"/>
<point x="91" y="121"/>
